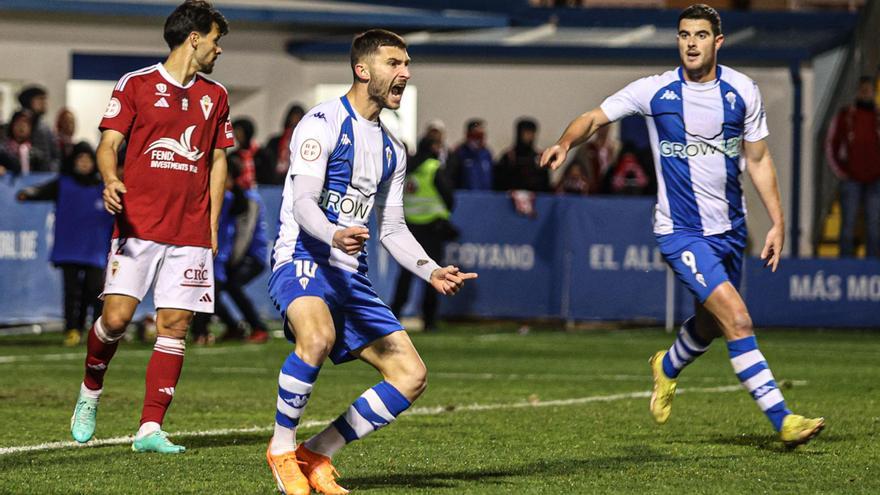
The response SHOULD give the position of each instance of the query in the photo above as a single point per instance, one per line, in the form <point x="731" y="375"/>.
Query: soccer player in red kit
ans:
<point x="177" y="126"/>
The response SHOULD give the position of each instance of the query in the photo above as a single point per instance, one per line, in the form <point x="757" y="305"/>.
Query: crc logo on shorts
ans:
<point x="305" y="270"/>
<point x="197" y="276"/>
<point x="310" y="150"/>
<point x="114" y="267"/>
<point x="113" y="108"/>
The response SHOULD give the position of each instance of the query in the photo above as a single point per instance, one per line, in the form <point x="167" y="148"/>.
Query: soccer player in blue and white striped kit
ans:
<point x="343" y="163"/>
<point x="707" y="124"/>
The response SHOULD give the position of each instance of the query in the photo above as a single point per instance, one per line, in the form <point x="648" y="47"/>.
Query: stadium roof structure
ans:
<point x="619" y="35"/>
<point x="274" y="13"/>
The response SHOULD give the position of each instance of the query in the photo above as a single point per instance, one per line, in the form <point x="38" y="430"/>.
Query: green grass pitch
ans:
<point x="549" y="412"/>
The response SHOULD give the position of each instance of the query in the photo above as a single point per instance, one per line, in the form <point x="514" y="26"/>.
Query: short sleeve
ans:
<point x="120" y="112"/>
<point x="224" y="137"/>
<point x="630" y="100"/>
<point x="392" y="193"/>
<point x="310" y="146"/>
<point x="755" y="125"/>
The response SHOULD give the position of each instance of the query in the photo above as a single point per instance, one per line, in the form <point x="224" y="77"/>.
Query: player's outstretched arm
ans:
<point x="763" y="174"/>
<point x="578" y="131"/>
<point x="106" y="154"/>
<point x="217" y="187"/>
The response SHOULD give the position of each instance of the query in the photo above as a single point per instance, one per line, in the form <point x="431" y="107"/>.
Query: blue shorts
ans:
<point x="359" y="316"/>
<point x="703" y="263"/>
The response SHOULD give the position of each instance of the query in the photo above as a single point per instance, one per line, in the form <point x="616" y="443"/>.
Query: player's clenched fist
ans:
<point x="449" y="279"/>
<point x="351" y="240"/>
<point x="554" y="156"/>
<point x="113" y="192"/>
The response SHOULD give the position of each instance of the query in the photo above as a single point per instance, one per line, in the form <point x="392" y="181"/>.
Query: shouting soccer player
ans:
<point x="702" y="119"/>
<point x="176" y="123"/>
<point x="344" y="162"/>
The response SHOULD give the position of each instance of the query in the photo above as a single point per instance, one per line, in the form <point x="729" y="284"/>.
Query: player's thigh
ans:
<point x="172" y="322"/>
<point x="397" y="359"/>
<point x="311" y="322"/>
<point x="695" y="261"/>
<point x="185" y="279"/>
<point x="729" y="309"/>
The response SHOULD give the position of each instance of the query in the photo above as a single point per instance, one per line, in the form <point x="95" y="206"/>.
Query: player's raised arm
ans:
<point x="396" y="237"/>
<point x="107" y="153"/>
<point x="578" y="131"/>
<point x="763" y="174"/>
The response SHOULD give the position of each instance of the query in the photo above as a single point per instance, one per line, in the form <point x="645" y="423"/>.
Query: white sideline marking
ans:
<point x="417" y="411"/>
<point x="68" y="356"/>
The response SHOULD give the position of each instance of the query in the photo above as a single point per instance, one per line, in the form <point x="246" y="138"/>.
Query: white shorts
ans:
<point x="182" y="277"/>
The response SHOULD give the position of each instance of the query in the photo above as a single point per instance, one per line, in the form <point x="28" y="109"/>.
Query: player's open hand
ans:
<point x="773" y="247"/>
<point x="554" y="156"/>
<point x="113" y="192"/>
<point x="351" y="240"/>
<point x="449" y="279"/>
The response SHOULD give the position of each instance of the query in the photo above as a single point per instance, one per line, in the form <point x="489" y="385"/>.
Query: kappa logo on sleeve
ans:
<point x="310" y="150"/>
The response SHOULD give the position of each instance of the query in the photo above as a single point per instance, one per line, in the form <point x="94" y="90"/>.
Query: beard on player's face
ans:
<point x="379" y="90"/>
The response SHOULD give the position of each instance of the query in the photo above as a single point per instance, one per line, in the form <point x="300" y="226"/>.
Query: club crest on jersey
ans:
<point x="162" y="89"/>
<point x="184" y="104"/>
<point x="161" y="103"/>
<point x="731" y="98"/>
<point x="207" y="105"/>
<point x="388" y="154"/>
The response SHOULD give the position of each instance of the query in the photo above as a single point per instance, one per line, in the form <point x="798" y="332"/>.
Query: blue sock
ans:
<point x="752" y="370"/>
<point x="294" y="389"/>
<point x="687" y="347"/>
<point x="375" y="408"/>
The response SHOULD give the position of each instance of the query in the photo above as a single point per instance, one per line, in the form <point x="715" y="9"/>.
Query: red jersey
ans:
<point x="172" y="131"/>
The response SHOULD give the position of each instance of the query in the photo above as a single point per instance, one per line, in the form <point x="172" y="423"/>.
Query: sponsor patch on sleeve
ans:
<point x="113" y="108"/>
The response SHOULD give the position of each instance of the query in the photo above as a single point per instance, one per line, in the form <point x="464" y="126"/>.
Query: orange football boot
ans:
<point x="288" y="476"/>
<point x="321" y="474"/>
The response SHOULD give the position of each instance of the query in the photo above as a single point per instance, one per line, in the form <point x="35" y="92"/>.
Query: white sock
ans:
<point x="283" y="441"/>
<point x="147" y="428"/>
<point x="87" y="392"/>
<point x="328" y="442"/>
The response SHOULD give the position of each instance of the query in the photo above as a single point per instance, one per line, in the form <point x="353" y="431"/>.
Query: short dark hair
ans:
<point x="193" y="15"/>
<point x="705" y="12"/>
<point x="27" y="95"/>
<point x="369" y="42"/>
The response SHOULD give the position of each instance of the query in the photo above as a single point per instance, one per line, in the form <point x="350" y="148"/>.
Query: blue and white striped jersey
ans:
<point x="696" y="132"/>
<point x="361" y="164"/>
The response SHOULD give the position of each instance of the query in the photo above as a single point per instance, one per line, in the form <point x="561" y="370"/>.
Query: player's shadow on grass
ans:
<point x="771" y="443"/>
<point x="559" y="467"/>
<point x="207" y="442"/>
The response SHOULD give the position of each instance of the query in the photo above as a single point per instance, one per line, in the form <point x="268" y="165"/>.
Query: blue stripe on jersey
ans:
<point x="734" y="126"/>
<point x="668" y="115"/>
<point x="336" y="179"/>
<point x="347" y="106"/>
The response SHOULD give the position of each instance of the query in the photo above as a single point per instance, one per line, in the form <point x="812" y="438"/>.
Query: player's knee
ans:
<point x="114" y="323"/>
<point x="175" y="329"/>
<point x="742" y="325"/>
<point x="412" y="378"/>
<point x="315" y="346"/>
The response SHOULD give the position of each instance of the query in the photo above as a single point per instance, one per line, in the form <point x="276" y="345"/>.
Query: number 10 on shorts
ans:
<point x="305" y="270"/>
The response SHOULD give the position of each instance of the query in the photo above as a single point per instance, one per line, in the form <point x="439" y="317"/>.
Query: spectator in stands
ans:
<point x="17" y="144"/>
<point x="65" y="128"/>
<point x="82" y="236"/>
<point x="470" y="165"/>
<point x="517" y="167"/>
<point x="628" y="175"/>
<point x="853" y="152"/>
<point x="598" y="156"/>
<point x="277" y="149"/>
<point x="247" y="152"/>
<point x="428" y="200"/>
<point x="574" y="180"/>
<point x="436" y="130"/>
<point x="36" y="101"/>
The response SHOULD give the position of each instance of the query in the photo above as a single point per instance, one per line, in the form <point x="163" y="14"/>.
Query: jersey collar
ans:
<point x="164" y="73"/>
<point x="353" y="113"/>
<point x="700" y="86"/>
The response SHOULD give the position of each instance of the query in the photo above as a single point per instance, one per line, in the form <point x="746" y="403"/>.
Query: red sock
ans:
<point x="162" y="375"/>
<point x="100" y="349"/>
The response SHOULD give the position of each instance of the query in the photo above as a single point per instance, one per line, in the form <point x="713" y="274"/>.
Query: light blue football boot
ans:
<point x="82" y="423"/>
<point x="157" y="442"/>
